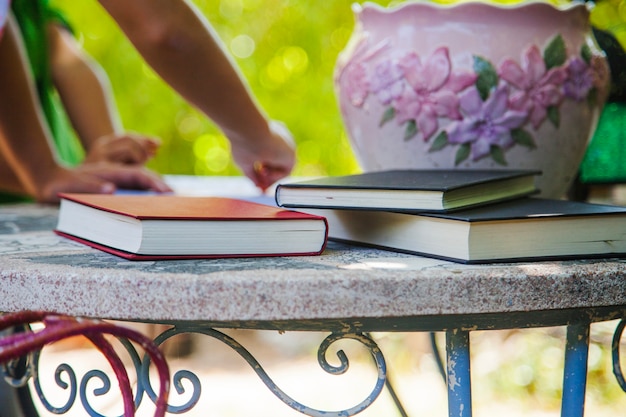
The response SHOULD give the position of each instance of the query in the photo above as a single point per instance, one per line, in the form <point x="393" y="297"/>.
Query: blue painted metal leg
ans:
<point x="575" y="375"/>
<point x="458" y="371"/>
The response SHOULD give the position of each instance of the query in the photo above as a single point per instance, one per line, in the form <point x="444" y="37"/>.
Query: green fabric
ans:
<point x="33" y="16"/>
<point x="6" y="198"/>
<point x="606" y="154"/>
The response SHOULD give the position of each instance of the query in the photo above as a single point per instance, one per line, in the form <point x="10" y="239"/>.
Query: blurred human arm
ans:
<point x="29" y="163"/>
<point x="85" y="92"/>
<point x="181" y="46"/>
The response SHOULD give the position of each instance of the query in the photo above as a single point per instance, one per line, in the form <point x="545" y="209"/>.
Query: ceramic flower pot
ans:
<point x="473" y="85"/>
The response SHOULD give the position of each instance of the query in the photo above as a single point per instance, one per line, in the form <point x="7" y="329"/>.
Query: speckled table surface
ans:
<point x="42" y="271"/>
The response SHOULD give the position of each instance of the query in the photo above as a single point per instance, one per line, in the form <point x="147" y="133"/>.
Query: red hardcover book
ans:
<point x="155" y="227"/>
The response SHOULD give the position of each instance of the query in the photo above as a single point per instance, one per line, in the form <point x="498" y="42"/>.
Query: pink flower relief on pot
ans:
<point x="486" y="123"/>
<point x="355" y="77"/>
<point x="356" y="83"/>
<point x="538" y="88"/>
<point x="580" y="79"/>
<point x="432" y="93"/>
<point x="387" y="81"/>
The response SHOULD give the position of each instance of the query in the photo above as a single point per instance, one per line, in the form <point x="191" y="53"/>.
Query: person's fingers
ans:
<point x="129" y="149"/>
<point x="151" y="145"/>
<point x="265" y="174"/>
<point x="278" y="160"/>
<point x="148" y="145"/>
<point x="91" y="185"/>
<point x="132" y="178"/>
<point x="75" y="184"/>
<point x="99" y="178"/>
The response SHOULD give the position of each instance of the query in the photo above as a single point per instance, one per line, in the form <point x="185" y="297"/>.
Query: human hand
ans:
<point x="125" y="148"/>
<point x="99" y="178"/>
<point x="266" y="160"/>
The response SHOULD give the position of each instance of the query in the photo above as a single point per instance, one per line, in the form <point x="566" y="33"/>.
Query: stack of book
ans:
<point x="467" y="216"/>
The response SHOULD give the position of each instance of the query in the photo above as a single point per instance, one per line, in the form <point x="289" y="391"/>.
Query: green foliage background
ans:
<point x="286" y="49"/>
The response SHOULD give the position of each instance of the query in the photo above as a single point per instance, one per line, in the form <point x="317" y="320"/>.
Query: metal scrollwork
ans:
<point x="72" y="385"/>
<point x="104" y="389"/>
<point x="258" y="369"/>
<point x="338" y="370"/>
<point x="178" y="377"/>
<point x="17" y="372"/>
<point x="617" y="366"/>
<point x="19" y="343"/>
<point x="66" y="378"/>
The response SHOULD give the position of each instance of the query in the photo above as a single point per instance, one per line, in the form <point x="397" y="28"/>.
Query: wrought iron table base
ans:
<point x="457" y="373"/>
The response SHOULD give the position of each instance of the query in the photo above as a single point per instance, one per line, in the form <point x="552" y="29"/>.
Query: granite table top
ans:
<point x="345" y="285"/>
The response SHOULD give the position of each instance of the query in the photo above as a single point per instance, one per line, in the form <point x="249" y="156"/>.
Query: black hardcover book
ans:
<point x="431" y="190"/>
<point x="522" y="229"/>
